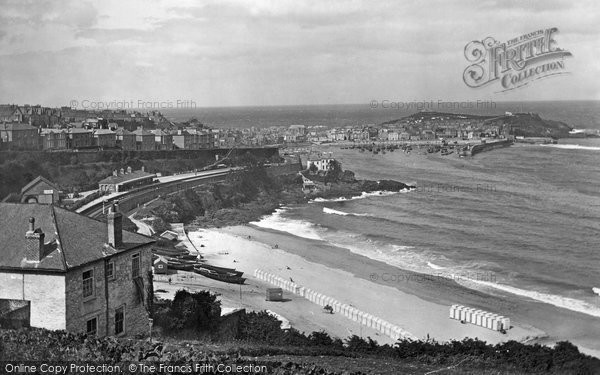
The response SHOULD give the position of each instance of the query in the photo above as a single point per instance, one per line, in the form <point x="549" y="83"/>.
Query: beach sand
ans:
<point x="231" y="247"/>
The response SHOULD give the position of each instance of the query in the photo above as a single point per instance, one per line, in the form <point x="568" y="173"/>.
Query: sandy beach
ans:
<point x="247" y="249"/>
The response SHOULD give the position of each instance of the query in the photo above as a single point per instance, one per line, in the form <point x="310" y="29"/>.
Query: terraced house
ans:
<point x="62" y="270"/>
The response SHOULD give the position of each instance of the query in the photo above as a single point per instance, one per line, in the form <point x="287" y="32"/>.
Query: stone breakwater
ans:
<point x="346" y="310"/>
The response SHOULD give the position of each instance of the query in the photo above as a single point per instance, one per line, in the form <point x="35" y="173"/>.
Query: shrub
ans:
<point x="199" y="312"/>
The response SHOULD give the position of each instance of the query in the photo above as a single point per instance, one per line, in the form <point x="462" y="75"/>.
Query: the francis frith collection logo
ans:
<point x="516" y="62"/>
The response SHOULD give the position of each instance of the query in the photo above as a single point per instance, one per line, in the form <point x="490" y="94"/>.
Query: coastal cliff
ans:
<point x="252" y="193"/>
<point x="532" y="125"/>
<point x="453" y="124"/>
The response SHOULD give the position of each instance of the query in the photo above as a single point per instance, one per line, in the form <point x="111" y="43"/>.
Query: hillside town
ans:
<point x="26" y="127"/>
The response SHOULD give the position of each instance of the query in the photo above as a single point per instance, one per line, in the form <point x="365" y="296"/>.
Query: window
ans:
<point x="135" y="265"/>
<point x="88" y="283"/>
<point x="119" y="320"/>
<point x="110" y="270"/>
<point x="91" y="326"/>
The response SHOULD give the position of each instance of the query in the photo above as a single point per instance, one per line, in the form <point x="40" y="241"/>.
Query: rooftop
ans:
<point x="71" y="239"/>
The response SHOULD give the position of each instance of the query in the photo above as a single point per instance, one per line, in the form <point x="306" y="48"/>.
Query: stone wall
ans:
<point x="121" y="292"/>
<point x="80" y="310"/>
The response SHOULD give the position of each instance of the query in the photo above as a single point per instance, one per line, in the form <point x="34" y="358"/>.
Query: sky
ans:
<point x="261" y="53"/>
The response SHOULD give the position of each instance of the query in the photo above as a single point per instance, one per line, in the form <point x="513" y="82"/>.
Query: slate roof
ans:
<point x="71" y="239"/>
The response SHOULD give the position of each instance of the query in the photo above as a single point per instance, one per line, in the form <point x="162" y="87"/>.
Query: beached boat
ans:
<point x="221" y="269"/>
<point x="227" y="277"/>
<point x="181" y="261"/>
<point x="180" y="266"/>
<point x="170" y="252"/>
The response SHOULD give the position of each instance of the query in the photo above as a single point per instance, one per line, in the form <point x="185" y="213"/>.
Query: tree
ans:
<point x="199" y="311"/>
<point x="313" y="168"/>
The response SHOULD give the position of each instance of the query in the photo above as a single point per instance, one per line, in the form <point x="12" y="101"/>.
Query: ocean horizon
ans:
<point x="579" y="114"/>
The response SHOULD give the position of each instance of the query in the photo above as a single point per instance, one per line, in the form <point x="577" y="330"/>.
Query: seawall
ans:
<point x="489" y="146"/>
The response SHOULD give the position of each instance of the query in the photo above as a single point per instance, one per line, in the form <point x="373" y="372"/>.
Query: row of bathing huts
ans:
<point x="479" y="317"/>
<point x="348" y="311"/>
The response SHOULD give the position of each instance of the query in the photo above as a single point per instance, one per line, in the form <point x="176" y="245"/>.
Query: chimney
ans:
<point x="115" y="226"/>
<point x="35" y="242"/>
<point x="115" y="173"/>
<point x="128" y="170"/>
<point x="121" y="172"/>
<point x="143" y="169"/>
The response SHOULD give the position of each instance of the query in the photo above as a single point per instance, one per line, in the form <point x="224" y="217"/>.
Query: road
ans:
<point x="143" y="228"/>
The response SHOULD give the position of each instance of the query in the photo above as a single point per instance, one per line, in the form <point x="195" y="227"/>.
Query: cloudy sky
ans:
<point x="280" y="52"/>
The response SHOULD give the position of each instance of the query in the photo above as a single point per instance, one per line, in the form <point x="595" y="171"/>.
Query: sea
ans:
<point x="523" y="220"/>
<point x="578" y="114"/>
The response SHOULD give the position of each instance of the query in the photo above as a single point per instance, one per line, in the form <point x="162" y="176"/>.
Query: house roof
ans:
<point x="158" y="132"/>
<point x="7" y="110"/>
<point x="125" y="177"/>
<point x="71" y="239"/>
<point x="123" y="131"/>
<point x="18" y="126"/>
<point x="51" y="130"/>
<point x="142" y="132"/>
<point x="104" y="132"/>
<point x="35" y="181"/>
<point x="79" y="130"/>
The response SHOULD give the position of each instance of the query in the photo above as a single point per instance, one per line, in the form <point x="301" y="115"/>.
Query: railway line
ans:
<point x="132" y="199"/>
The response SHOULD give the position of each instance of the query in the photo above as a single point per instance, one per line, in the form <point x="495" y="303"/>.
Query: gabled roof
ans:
<point x="71" y="239"/>
<point x="35" y="181"/>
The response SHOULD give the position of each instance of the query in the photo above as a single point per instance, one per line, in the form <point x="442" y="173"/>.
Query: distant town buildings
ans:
<point x="66" y="129"/>
<point x="321" y="161"/>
